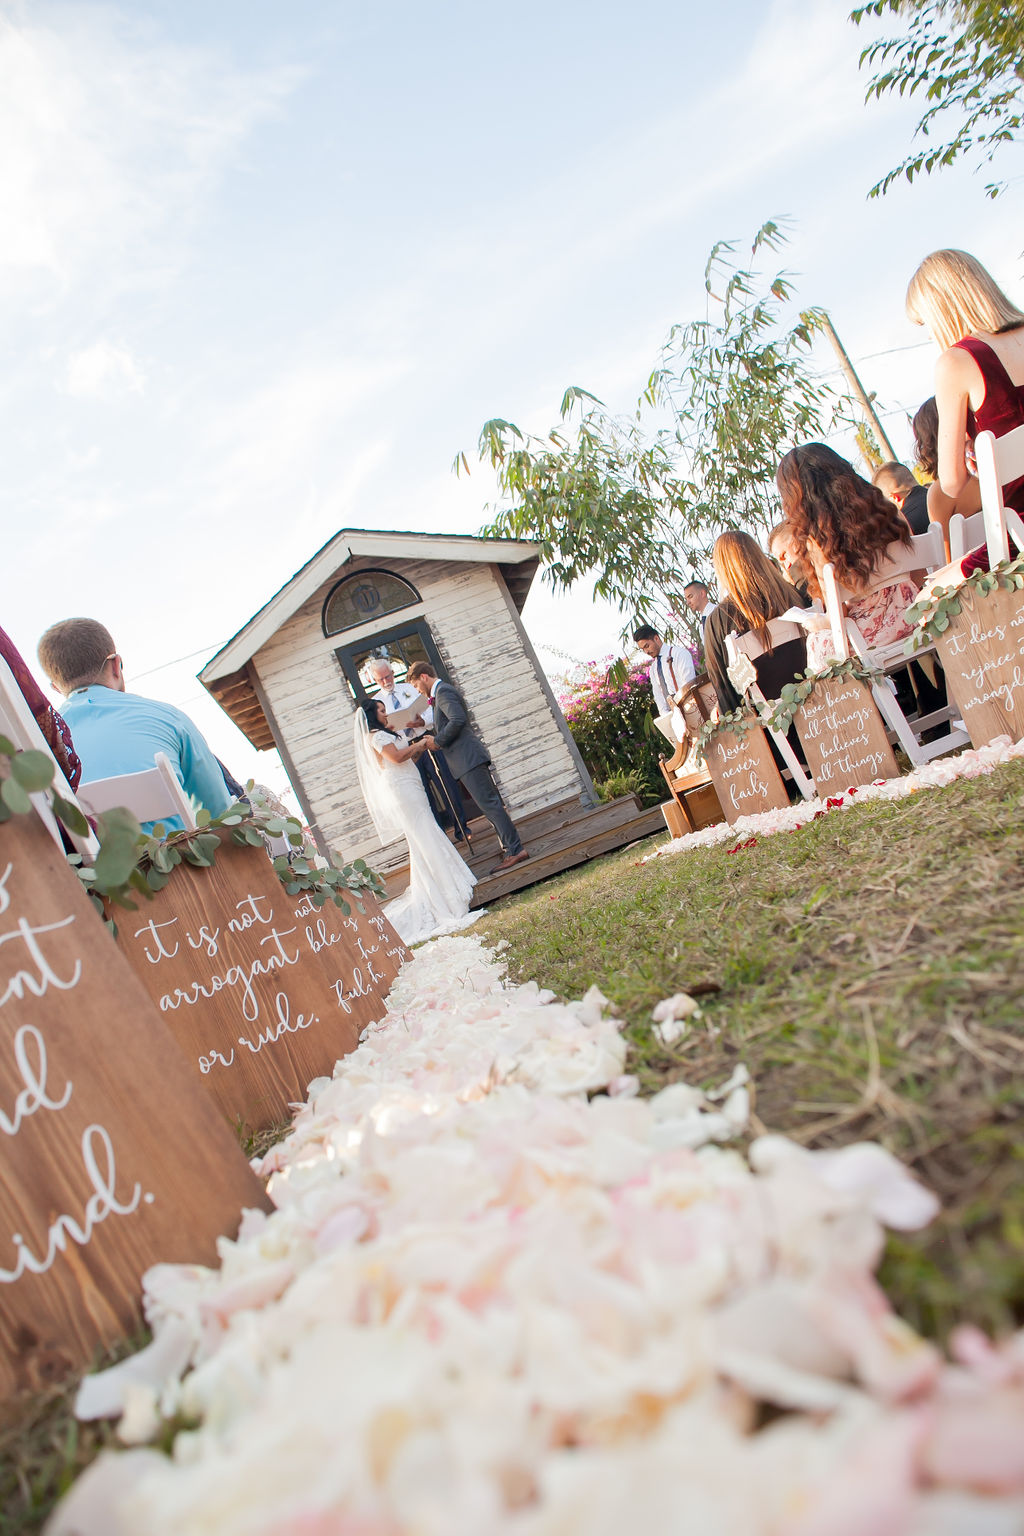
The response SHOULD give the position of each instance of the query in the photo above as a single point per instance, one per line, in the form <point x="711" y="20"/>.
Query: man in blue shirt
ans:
<point x="117" y="732"/>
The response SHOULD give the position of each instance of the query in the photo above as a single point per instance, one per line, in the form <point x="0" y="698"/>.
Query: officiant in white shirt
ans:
<point x="442" y="791"/>
<point x="671" y="669"/>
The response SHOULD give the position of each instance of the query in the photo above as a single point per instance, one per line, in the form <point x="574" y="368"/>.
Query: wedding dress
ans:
<point x="440" y="884"/>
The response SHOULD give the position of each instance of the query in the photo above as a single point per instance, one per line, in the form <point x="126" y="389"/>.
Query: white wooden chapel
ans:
<point x="291" y="675"/>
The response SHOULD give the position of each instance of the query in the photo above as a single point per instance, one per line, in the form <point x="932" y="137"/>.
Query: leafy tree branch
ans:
<point x="965" y="58"/>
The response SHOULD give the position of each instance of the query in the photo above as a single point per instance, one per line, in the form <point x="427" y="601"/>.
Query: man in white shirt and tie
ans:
<point x="443" y="794"/>
<point x="671" y="669"/>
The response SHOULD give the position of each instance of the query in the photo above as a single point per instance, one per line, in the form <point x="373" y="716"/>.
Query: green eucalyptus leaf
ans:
<point x="15" y="797"/>
<point x="33" y="770"/>
<point x="70" y="815"/>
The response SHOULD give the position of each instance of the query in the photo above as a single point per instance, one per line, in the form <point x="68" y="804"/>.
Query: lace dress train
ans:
<point x="440" y="883"/>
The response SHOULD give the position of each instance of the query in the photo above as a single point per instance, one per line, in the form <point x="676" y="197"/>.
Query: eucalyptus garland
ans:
<point x="134" y="863"/>
<point x="736" y="723"/>
<point x="797" y="693"/>
<point x="931" y="614"/>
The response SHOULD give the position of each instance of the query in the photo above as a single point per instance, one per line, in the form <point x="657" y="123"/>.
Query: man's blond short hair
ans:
<point x="73" y="652"/>
<point x="893" y="477"/>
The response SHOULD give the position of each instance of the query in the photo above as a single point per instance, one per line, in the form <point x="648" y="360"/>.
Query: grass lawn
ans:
<point x="869" y="970"/>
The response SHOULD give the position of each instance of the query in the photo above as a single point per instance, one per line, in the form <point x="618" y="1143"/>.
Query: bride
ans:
<point x="440" y="884"/>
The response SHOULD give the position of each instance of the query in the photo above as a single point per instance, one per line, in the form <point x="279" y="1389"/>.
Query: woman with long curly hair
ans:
<point x="838" y="518"/>
<point x="753" y="591"/>
<point x="979" y="376"/>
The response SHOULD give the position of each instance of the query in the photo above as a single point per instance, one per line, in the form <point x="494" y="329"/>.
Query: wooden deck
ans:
<point x="557" y="837"/>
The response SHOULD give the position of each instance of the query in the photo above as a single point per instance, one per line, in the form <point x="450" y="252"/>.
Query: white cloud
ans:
<point x="103" y="371"/>
<point x="109" y="138"/>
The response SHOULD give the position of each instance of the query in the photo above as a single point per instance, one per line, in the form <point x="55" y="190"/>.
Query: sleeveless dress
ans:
<point x="440" y="883"/>
<point x="1001" y="410"/>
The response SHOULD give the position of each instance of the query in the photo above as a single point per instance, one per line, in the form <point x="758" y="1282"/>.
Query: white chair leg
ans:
<point x="896" y="720"/>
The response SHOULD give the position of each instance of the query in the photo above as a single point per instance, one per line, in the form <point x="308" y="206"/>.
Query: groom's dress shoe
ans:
<point x="510" y="862"/>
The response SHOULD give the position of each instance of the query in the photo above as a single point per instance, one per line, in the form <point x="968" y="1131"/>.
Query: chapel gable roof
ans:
<point x="228" y="675"/>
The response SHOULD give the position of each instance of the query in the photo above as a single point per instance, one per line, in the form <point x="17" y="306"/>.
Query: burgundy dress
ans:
<point x="1001" y="410"/>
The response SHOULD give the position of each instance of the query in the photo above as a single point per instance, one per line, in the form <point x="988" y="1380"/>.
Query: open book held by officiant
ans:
<point x="402" y="719"/>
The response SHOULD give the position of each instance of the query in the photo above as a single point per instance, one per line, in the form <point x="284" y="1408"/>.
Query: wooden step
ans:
<point x="547" y="861"/>
<point x="557" y="837"/>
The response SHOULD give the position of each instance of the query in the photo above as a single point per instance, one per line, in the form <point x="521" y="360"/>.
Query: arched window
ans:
<point x="364" y="597"/>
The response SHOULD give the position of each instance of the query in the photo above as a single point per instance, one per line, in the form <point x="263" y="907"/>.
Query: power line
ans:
<point x="165" y="664"/>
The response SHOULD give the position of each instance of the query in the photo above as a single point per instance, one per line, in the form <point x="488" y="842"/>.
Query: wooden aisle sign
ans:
<point x="113" y="1160"/>
<point x="744" y="773"/>
<point x="982" y="655"/>
<point x="843" y="736"/>
<point x="262" y="991"/>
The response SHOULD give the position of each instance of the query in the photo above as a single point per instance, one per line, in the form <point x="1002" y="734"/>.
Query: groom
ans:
<point x="467" y="757"/>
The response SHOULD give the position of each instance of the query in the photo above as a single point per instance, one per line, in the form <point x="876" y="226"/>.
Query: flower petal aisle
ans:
<point x="487" y="1303"/>
<point x="972" y="763"/>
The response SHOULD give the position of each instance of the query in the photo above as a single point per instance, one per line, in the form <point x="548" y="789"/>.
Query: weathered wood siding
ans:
<point x="481" y="644"/>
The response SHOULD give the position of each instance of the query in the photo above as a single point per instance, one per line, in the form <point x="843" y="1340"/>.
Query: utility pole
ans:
<point x="858" y="388"/>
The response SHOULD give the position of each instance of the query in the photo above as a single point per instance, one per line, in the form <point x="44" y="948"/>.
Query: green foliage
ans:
<point x="798" y="692"/>
<point x="966" y="59"/>
<point x="931" y="614"/>
<point x="132" y="863"/>
<point x="637" y="502"/>
<point x="611" y="724"/>
<point x="626" y="783"/>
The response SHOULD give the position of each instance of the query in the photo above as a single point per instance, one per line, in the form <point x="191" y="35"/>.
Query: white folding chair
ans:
<point x="749" y="645"/>
<point x="925" y="552"/>
<point x="1000" y="460"/>
<point x="965" y="533"/>
<point x="19" y="725"/>
<point x="152" y="795"/>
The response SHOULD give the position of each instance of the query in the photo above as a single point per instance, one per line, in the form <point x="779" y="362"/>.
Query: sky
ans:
<point x="265" y="270"/>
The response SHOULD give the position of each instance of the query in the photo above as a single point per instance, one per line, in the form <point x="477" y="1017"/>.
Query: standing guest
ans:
<point x="906" y="494"/>
<point x="979" y="376"/>
<point x="839" y="518"/>
<point x="118" y="732"/>
<point x="440" y="788"/>
<point x="53" y="726"/>
<point x="753" y="592"/>
<point x="672" y="667"/>
<point x="467" y="757"/>
<point x="782" y="547"/>
<point x="695" y="596"/>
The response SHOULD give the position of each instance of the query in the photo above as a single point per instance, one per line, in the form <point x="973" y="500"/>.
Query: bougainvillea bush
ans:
<point x="611" y="725"/>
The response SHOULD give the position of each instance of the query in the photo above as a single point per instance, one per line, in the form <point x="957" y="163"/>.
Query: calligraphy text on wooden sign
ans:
<point x="843" y="736"/>
<point x="982" y="655"/>
<point x="263" y="991"/>
<point x="744" y="773"/>
<point x="113" y="1160"/>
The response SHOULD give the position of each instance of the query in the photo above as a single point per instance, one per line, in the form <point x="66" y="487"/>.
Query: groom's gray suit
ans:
<point x="467" y="758"/>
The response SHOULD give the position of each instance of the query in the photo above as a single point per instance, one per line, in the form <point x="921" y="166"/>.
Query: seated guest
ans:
<point x="838" y="518"/>
<point x="782" y="547"/>
<point x="926" y="446"/>
<point x="118" y="732"/>
<point x="753" y="592"/>
<point x="925" y="427"/>
<point x="979" y="375"/>
<point x="695" y="596"/>
<point x="53" y="727"/>
<point x="909" y="497"/>
<point x="671" y="670"/>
